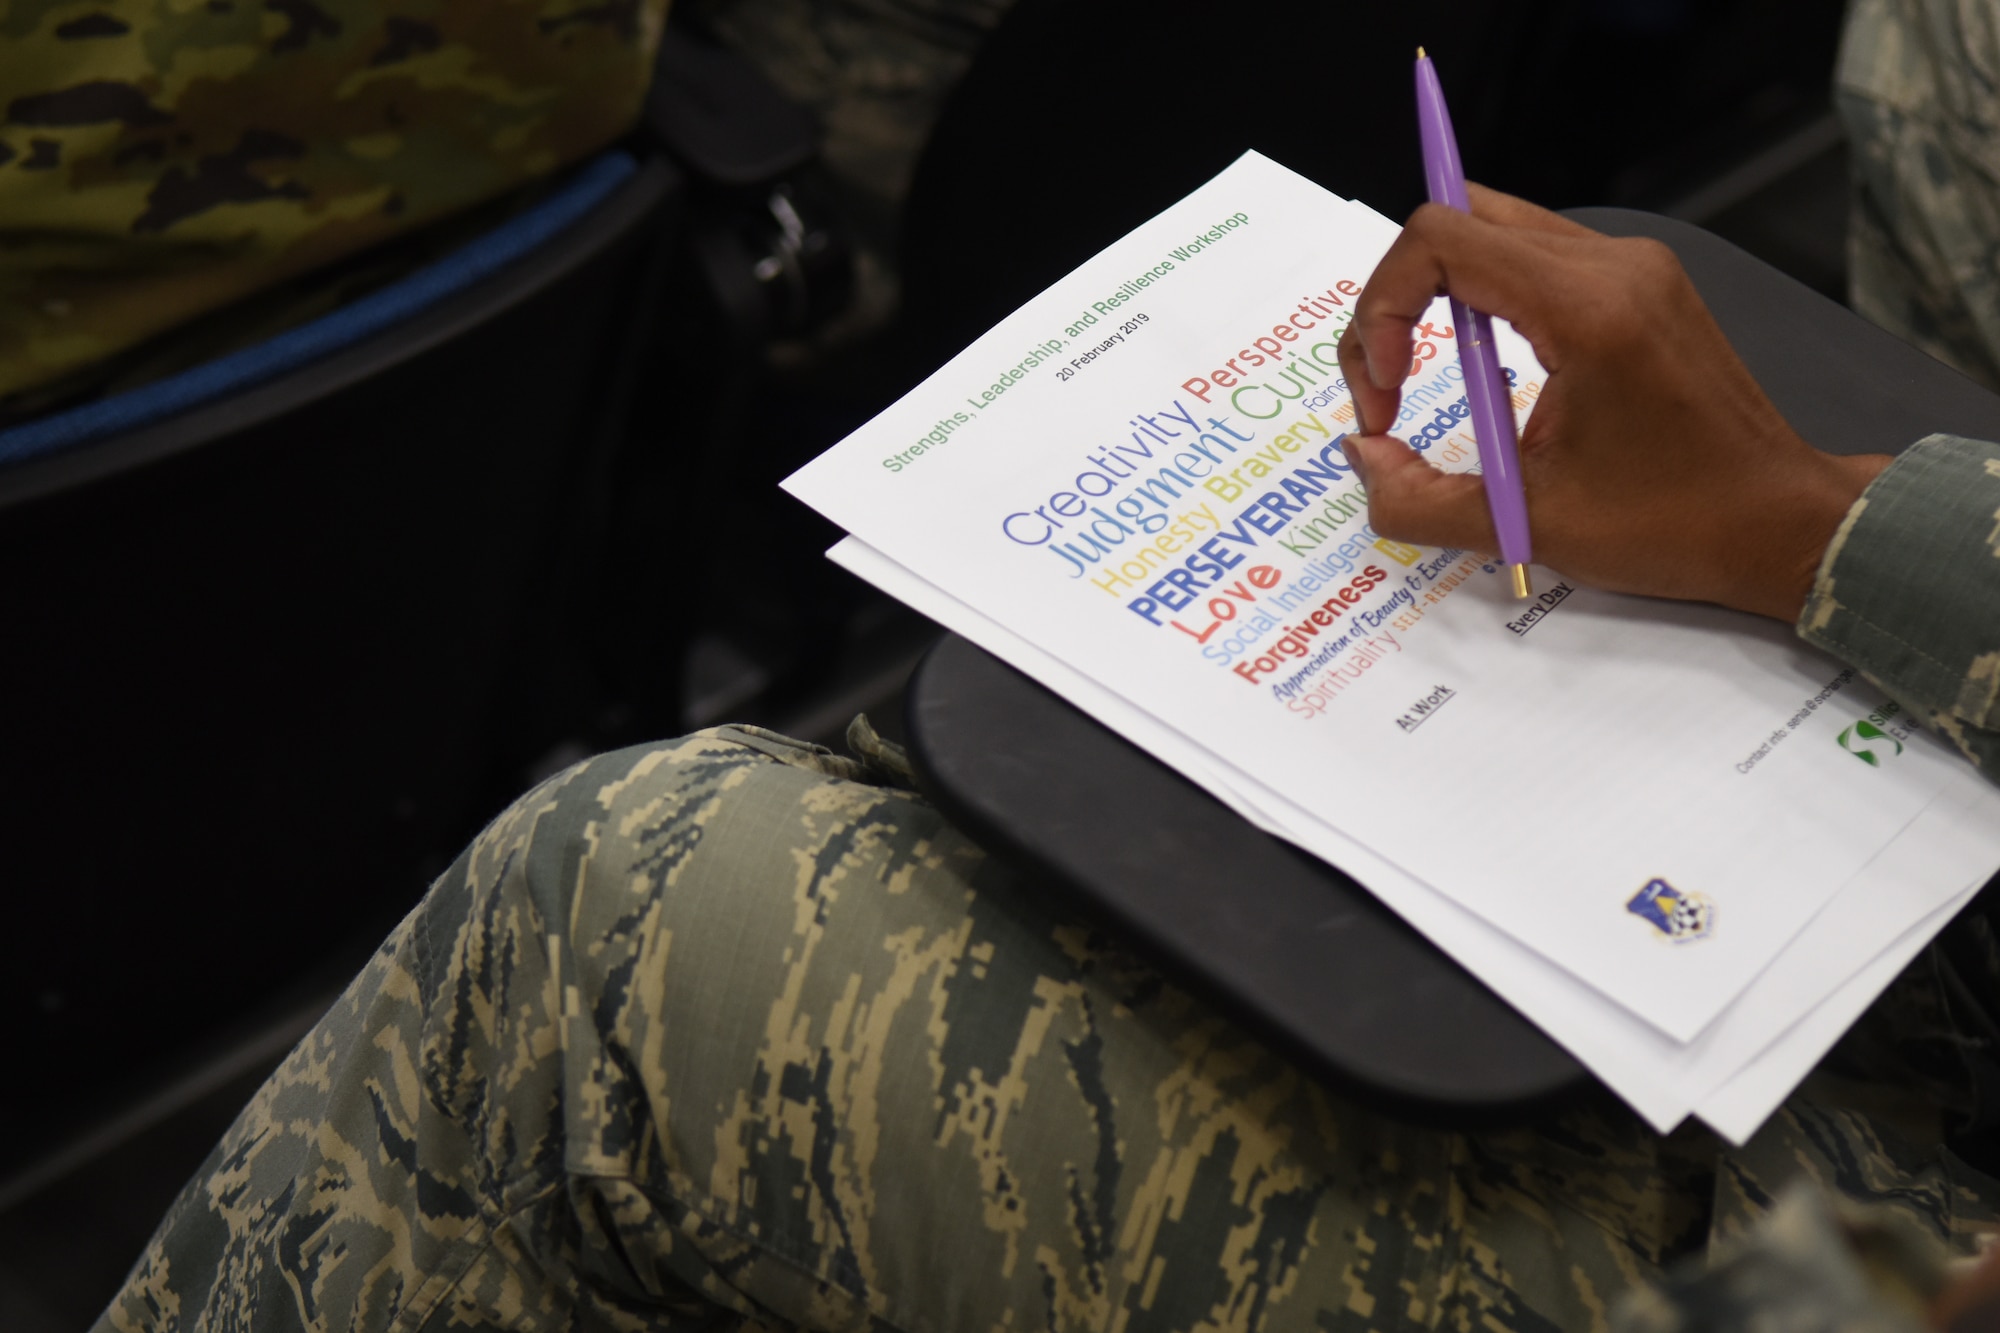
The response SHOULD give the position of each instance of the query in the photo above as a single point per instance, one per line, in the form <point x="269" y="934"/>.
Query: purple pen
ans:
<point x="1485" y="386"/>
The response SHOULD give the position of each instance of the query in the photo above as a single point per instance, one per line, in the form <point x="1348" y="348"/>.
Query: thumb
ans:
<point x="1411" y="501"/>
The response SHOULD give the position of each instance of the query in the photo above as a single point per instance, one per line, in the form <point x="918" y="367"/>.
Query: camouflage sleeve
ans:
<point x="1909" y="590"/>
<point x="1915" y="84"/>
<point x="730" y="1032"/>
<point x="160" y="159"/>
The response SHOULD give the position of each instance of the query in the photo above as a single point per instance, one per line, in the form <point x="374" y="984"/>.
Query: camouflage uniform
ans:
<point x="164" y="158"/>
<point x="1811" y="1264"/>
<point x="877" y="73"/>
<point x="730" y="1031"/>
<point x="1918" y="84"/>
<point x="1931" y="643"/>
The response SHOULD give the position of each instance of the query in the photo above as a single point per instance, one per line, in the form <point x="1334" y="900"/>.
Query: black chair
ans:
<point x="277" y="627"/>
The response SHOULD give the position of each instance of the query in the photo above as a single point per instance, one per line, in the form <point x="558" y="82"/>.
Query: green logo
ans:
<point x="1856" y="741"/>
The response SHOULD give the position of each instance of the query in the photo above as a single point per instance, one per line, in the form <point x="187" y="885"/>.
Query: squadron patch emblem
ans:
<point x="1675" y="914"/>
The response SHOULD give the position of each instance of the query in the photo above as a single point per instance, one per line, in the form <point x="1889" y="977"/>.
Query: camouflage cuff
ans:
<point x="1909" y="588"/>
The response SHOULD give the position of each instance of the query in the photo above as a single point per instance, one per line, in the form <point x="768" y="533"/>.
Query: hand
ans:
<point x="1652" y="462"/>
<point x="1972" y="1302"/>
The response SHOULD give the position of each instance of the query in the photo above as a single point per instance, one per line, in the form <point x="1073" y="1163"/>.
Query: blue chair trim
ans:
<point x="391" y="306"/>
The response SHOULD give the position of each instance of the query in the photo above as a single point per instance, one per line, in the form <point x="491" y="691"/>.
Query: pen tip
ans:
<point x="1420" y="53"/>
<point x="1521" y="588"/>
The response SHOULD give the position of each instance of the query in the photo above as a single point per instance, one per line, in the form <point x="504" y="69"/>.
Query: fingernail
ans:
<point x="1374" y="376"/>
<point x="1347" y="446"/>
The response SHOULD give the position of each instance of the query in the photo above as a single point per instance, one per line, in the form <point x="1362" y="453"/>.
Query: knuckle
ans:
<point x="1390" y="512"/>
<point x="1379" y="331"/>
<point x="1639" y="277"/>
<point x="1419" y="504"/>
<point x="1653" y="265"/>
<point x="1385" y="513"/>
<point x="1429" y="219"/>
<point x="1616" y="322"/>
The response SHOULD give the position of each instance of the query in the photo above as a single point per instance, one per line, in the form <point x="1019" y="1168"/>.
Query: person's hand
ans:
<point x="1972" y="1303"/>
<point x="1652" y="461"/>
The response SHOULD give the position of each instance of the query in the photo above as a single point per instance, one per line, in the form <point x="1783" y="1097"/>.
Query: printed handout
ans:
<point x="1138" y="477"/>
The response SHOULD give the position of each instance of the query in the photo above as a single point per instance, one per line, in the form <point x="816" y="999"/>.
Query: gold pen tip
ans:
<point x="1520" y="575"/>
<point x="1420" y="53"/>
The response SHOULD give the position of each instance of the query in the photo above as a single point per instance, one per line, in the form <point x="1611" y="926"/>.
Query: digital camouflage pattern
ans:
<point x="733" y="1032"/>
<point x="1851" y="1209"/>
<point x="1908" y="587"/>
<point x="1811" y="1264"/>
<point x="1918" y="85"/>
<point x="164" y="158"/>
<point x="876" y="72"/>
<point x="729" y="1031"/>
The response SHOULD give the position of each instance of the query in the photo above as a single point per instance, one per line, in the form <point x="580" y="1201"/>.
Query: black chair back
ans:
<point x="268" y="661"/>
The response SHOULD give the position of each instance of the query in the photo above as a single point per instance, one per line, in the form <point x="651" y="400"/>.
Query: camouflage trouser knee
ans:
<point x="731" y="1031"/>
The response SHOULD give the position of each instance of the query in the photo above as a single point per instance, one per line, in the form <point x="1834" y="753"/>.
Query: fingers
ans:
<point x="1508" y="258"/>
<point x="1375" y="407"/>
<point x="1515" y="273"/>
<point x="1508" y="211"/>
<point x="1375" y="347"/>
<point x="1411" y="501"/>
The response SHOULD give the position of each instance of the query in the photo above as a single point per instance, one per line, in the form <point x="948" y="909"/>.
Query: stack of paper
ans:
<point x="1689" y="847"/>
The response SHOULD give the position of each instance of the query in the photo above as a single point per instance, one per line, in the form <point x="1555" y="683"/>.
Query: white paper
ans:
<point x="1737" y="1108"/>
<point x="1774" y="1024"/>
<point x="1593" y="746"/>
